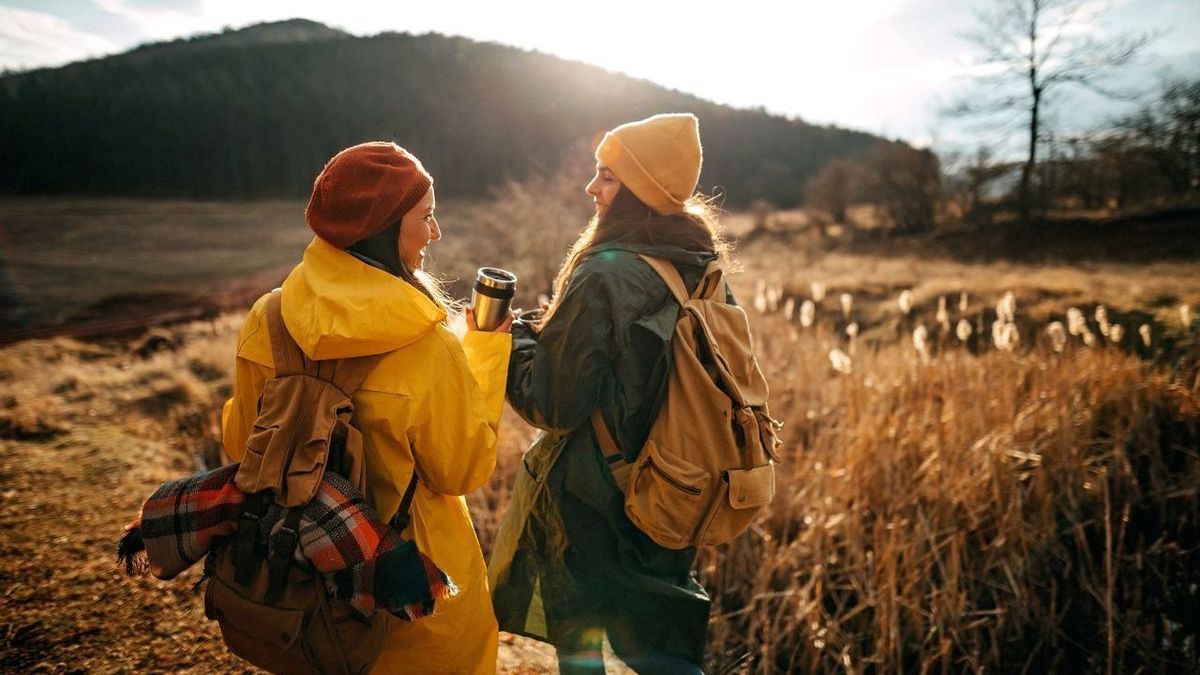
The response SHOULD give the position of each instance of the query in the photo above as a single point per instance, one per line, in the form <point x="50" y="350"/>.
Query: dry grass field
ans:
<point x="1017" y="499"/>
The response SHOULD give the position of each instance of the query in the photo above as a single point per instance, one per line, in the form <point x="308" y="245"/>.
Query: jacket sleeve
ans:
<point x="457" y="420"/>
<point x="241" y="409"/>
<point x="556" y="377"/>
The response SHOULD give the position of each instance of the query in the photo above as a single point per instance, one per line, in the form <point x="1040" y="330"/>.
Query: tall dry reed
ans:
<point x="1029" y="512"/>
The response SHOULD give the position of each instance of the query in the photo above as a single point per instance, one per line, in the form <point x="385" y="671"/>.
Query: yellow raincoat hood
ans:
<point x="336" y="306"/>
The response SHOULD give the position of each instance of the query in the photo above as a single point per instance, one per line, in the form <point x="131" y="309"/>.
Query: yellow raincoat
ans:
<point x="433" y="402"/>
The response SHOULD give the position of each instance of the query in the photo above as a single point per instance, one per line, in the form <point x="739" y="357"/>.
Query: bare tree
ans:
<point x="1033" y="48"/>
<point x="1169" y="130"/>
<point x="531" y="224"/>
<point x="969" y="183"/>
<point x="833" y="188"/>
<point x="905" y="182"/>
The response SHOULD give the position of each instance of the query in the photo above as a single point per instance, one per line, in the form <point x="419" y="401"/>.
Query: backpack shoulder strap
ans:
<point x="712" y="283"/>
<point x="348" y="374"/>
<point x="670" y="275"/>
<point x="289" y="359"/>
<point x="345" y="374"/>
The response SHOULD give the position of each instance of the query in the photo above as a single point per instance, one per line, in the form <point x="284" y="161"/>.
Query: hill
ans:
<point x="255" y="113"/>
<point x="279" y="32"/>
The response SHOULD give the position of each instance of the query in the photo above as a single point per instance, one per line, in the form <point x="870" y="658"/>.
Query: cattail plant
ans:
<point x="840" y="361"/>
<point x="1005" y="335"/>
<point x="921" y="342"/>
<point x="1076" y="324"/>
<point x="1012" y="337"/>
<point x="774" y="294"/>
<point x="847" y="301"/>
<point x="998" y="333"/>
<point x="1102" y="319"/>
<point x="808" y="312"/>
<point x="760" y="297"/>
<point x="963" y="330"/>
<point x="1058" y="335"/>
<point x="1006" y="307"/>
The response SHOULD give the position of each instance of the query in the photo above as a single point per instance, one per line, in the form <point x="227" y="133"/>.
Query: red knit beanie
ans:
<point x="363" y="190"/>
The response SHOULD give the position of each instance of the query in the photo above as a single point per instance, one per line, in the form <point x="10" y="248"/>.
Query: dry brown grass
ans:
<point x="979" y="511"/>
<point x="1001" y="512"/>
<point x="87" y="431"/>
<point x="1030" y="511"/>
<point x="1006" y="512"/>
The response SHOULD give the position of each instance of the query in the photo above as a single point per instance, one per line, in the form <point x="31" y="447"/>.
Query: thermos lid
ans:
<point x="494" y="277"/>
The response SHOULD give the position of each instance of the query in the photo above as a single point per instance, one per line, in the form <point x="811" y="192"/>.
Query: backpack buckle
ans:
<point x="246" y="541"/>
<point x="285" y="539"/>
<point x="283" y="548"/>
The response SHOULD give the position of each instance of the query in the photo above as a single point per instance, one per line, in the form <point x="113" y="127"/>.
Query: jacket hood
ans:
<point x="336" y="306"/>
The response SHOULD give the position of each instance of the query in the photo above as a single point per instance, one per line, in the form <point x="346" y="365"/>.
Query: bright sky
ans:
<point x="884" y="66"/>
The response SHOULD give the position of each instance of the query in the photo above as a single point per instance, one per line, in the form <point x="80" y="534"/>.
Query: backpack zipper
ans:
<point x="682" y="486"/>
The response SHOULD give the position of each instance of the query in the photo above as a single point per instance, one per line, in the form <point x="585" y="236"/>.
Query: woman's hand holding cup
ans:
<point x="504" y="327"/>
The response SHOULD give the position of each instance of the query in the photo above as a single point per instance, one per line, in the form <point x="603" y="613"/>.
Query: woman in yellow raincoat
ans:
<point x="432" y="405"/>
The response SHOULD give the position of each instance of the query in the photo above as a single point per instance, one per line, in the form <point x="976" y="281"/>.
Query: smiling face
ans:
<point x="418" y="229"/>
<point x="603" y="188"/>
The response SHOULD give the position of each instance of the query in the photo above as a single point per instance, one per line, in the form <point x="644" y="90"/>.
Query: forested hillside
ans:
<point x="255" y="113"/>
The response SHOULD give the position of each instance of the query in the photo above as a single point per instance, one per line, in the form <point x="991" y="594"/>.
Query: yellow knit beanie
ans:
<point x="657" y="158"/>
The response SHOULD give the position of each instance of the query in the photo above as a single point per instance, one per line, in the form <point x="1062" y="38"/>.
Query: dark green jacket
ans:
<point x="566" y="552"/>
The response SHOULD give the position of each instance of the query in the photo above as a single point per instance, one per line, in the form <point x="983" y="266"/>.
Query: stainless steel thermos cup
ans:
<point x="492" y="297"/>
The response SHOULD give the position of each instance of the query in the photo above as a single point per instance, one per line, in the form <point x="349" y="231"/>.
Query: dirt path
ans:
<point x="85" y="434"/>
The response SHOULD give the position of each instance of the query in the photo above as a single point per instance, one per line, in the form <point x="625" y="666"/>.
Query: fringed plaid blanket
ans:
<point x="340" y="536"/>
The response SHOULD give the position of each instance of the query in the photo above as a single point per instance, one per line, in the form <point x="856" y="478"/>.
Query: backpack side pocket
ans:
<point x="667" y="496"/>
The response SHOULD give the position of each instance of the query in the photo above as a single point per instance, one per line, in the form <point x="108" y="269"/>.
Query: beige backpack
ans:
<point x="273" y="612"/>
<point x="708" y="465"/>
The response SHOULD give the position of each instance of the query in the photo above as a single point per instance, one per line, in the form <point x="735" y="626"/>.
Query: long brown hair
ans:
<point x="629" y="219"/>
<point x="383" y="250"/>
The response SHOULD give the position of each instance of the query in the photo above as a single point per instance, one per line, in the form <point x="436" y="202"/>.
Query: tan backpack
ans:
<point x="708" y="465"/>
<point x="272" y="611"/>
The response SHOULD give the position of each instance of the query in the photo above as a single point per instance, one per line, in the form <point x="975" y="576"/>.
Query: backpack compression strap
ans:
<point x="402" y="518"/>
<point x="608" y="447"/>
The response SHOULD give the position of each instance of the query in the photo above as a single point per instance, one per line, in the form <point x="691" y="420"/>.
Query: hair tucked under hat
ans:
<point x="657" y="158"/>
<point x="363" y="190"/>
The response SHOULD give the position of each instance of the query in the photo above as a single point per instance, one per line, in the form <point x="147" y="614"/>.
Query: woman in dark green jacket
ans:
<point x="568" y="566"/>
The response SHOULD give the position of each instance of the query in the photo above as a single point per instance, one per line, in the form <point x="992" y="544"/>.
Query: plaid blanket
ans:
<point x="340" y="536"/>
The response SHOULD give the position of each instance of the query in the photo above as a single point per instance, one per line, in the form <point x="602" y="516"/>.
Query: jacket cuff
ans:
<point x="487" y="356"/>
